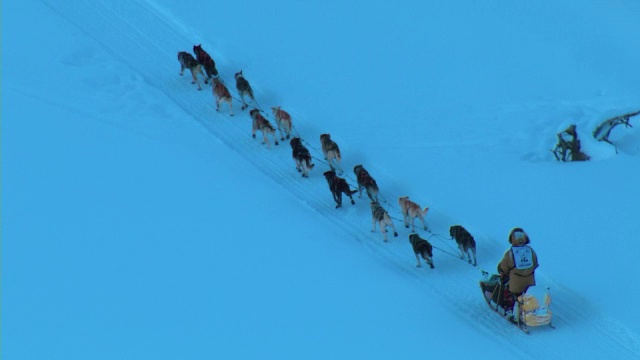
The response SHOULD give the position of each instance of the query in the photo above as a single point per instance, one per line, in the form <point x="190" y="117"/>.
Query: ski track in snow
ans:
<point x="147" y="39"/>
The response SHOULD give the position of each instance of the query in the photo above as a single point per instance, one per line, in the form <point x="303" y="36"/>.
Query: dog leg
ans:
<point x="383" y="230"/>
<point x="424" y="223"/>
<point x="194" y="75"/>
<point x="473" y="251"/>
<point x="230" y="106"/>
<point x="390" y="223"/>
<point x="244" y="103"/>
<point x="279" y="123"/>
<point x="349" y="195"/>
<point x="418" y="258"/>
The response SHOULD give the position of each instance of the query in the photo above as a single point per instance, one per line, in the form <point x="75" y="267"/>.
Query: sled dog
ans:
<point x="466" y="242"/>
<point x="301" y="156"/>
<point x="331" y="153"/>
<point x="367" y="182"/>
<point x="221" y="93"/>
<point x="283" y="121"/>
<point x="243" y="87"/>
<point x="380" y="215"/>
<point x="206" y="61"/>
<point x="187" y="61"/>
<point x="421" y="247"/>
<point x="338" y="185"/>
<point x="411" y="211"/>
<point x="262" y="124"/>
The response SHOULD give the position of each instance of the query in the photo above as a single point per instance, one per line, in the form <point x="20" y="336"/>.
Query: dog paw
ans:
<point x="418" y="265"/>
<point x="254" y="136"/>
<point x="395" y="234"/>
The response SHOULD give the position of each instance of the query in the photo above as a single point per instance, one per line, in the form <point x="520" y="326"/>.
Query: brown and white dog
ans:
<point x="367" y="182"/>
<point x="411" y="210"/>
<point x="338" y="185"/>
<point x="331" y="153"/>
<point x="243" y="87"/>
<point x="301" y="156"/>
<point x="221" y="93"/>
<point x="206" y="61"/>
<point x="262" y="124"/>
<point x="283" y="121"/>
<point x="466" y="242"/>
<point x="187" y="61"/>
<point x="380" y="215"/>
<point x="421" y="247"/>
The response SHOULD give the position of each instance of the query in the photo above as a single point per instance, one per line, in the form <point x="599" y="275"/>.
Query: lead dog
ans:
<point x="367" y="182"/>
<point x="466" y="242"/>
<point x="380" y="215"/>
<point x="206" y="61"/>
<point x="243" y="89"/>
<point x="301" y="156"/>
<point x="411" y="210"/>
<point x="221" y="93"/>
<point x="187" y="61"/>
<point x="331" y="153"/>
<point x="423" y="248"/>
<point x="283" y="121"/>
<point x="338" y="186"/>
<point x="262" y="124"/>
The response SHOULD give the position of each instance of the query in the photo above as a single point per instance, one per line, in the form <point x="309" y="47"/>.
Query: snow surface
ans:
<point x="138" y="223"/>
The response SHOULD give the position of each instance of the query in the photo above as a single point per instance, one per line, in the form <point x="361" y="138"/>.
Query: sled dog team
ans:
<point x="338" y="186"/>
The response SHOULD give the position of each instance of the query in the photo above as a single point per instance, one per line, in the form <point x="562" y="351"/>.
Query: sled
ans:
<point x="530" y="313"/>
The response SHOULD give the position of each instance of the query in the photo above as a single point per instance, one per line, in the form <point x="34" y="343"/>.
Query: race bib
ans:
<point x="522" y="257"/>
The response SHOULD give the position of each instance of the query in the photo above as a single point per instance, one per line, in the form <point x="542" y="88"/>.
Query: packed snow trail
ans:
<point x="147" y="39"/>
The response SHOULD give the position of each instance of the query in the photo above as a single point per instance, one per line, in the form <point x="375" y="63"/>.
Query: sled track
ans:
<point x="147" y="40"/>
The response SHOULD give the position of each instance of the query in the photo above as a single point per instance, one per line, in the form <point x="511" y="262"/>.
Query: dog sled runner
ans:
<point x="528" y="312"/>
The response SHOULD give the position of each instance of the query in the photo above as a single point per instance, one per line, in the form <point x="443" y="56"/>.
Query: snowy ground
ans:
<point x="140" y="223"/>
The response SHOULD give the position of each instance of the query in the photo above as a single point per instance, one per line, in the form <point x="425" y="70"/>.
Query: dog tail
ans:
<point x="353" y="191"/>
<point x="424" y="212"/>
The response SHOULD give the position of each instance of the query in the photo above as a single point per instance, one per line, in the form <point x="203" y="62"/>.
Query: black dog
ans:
<point x="338" y="185"/>
<point x="423" y="248"/>
<point x="465" y="242"/>
<point x="206" y="61"/>
<point x="301" y="156"/>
